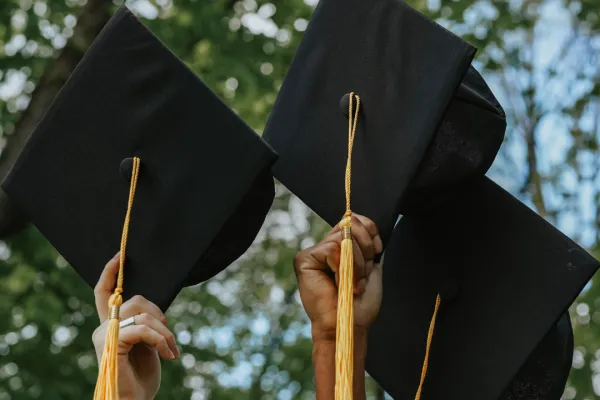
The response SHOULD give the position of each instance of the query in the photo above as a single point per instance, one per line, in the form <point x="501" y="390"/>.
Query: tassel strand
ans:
<point x="428" y="347"/>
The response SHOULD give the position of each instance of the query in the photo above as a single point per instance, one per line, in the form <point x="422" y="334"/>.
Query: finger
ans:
<point x="135" y="334"/>
<point x="152" y="322"/>
<point x="378" y="246"/>
<point x="363" y="234"/>
<point x="373" y="232"/>
<point x="359" y="262"/>
<point x="368" y="224"/>
<point x="323" y="256"/>
<point x="362" y="283"/>
<point x="363" y="238"/>
<point x="333" y="230"/>
<point x="106" y="286"/>
<point x="139" y="305"/>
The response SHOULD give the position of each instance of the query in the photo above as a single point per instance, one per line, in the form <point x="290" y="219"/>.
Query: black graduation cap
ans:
<point x="376" y="49"/>
<point x="505" y="276"/>
<point x="428" y="130"/>
<point x="204" y="185"/>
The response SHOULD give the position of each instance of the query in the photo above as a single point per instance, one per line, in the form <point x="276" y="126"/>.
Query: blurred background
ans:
<point x="244" y="334"/>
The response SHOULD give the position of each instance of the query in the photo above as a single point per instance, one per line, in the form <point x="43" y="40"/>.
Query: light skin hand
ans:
<point x="140" y="345"/>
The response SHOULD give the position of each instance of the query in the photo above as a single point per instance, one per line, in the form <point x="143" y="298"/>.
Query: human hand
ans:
<point x="140" y="344"/>
<point x="317" y="271"/>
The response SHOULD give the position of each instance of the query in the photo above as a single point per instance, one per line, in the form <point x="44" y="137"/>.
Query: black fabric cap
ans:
<point x="503" y="329"/>
<point x="204" y="188"/>
<point x="377" y="49"/>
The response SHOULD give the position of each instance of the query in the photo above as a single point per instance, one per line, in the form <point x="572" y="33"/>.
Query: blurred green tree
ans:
<point x="244" y="334"/>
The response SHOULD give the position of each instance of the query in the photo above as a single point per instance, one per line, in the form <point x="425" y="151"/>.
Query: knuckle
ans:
<point x="138" y="299"/>
<point x="144" y="329"/>
<point x="369" y="224"/>
<point x="312" y="260"/>
<point x="299" y="259"/>
<point x="143" y="318"/>
<point x="359" y="262"/>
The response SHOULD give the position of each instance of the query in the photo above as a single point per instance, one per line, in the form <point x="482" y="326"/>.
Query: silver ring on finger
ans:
<point x="127" y="322"/>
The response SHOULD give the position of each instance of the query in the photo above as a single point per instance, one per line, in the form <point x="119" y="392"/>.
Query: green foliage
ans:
<point x="244" y="334"/>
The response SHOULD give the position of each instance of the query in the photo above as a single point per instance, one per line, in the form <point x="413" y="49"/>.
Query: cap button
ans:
<point x="449" y="290"/>
<point x="126" y="168"/>
<point x="345" y="104"/>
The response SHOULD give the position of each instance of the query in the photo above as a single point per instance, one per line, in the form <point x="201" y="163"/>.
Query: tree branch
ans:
<point x="92" y="19"/>
<point x="533" y="181"/>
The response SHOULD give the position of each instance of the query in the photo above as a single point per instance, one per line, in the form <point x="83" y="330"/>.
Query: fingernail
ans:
<point x="178" y="353"/>
<point x="117" y="255"/>
<point x="172" y="355"/>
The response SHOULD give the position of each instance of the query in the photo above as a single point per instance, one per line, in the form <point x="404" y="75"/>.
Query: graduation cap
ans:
<point x="428" y="129"/>
<point x="204" y="185"/>
<point x="498" y="276"/>
<point x="135" y="136"/>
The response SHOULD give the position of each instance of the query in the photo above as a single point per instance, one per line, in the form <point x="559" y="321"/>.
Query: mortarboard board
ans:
<point x="204" y="185"/>
<point x="428" y="130"/>
<point x="371" y="48"/>
<point x="505" y="276"/>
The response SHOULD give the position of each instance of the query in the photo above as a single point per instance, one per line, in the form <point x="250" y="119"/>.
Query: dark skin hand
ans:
<point x="140" y="345"/>
<point x="317" y="272"/>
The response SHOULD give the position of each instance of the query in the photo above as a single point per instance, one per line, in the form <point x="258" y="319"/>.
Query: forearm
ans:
<point x="324" y="366"/>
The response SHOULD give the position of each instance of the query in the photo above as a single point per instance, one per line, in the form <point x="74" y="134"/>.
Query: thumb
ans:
<point x="106" y="286"/>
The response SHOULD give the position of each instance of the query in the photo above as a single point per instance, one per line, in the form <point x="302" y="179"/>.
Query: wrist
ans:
<point x="325" y="339"/>
<point x="323" y="358"/>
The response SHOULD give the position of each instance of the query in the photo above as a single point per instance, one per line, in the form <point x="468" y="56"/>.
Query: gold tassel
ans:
<point x="344" y="349"/>
<point x="107" y="386"/>
<point x="428" y="347"/>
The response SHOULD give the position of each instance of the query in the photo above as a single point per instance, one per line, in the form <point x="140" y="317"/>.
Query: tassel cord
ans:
<point x="107" y="385"/>
<point x="344" y="353"/>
